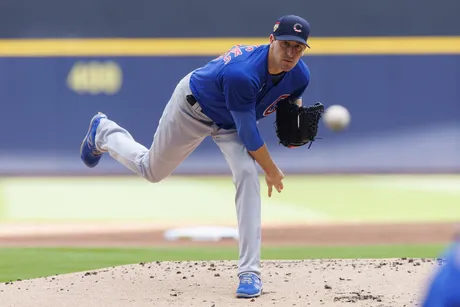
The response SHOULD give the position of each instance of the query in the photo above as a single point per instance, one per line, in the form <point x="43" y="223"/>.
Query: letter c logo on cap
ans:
<point x="298" y="27"/>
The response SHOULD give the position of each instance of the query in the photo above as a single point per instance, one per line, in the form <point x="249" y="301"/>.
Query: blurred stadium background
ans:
<point x="394" y="64"/>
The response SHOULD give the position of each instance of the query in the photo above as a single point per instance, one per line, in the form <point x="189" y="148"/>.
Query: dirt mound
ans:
<point x="383" y="282"/>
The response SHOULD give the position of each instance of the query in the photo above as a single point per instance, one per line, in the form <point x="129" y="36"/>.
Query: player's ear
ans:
<point x="272" y="38"/>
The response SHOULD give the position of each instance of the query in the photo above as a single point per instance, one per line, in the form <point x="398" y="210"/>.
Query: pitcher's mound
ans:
<point x="377" y="282"/>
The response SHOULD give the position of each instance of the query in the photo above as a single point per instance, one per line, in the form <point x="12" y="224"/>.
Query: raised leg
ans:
<point x="181" y="129"/>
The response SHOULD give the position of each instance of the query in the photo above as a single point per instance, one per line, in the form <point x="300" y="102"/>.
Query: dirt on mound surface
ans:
<point x="379" y="283"/>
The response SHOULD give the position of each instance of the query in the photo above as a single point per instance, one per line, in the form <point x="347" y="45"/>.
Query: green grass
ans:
<point x="305" y="199"/>
<point x="2" y="202"/>
<point x="330" y="198"/>
<point x="378" y="198"/>
<point x="26" y="263"/>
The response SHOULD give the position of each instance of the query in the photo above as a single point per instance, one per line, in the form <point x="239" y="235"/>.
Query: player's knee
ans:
<point x="150" y="176"/>
<point x="153" y="177"/>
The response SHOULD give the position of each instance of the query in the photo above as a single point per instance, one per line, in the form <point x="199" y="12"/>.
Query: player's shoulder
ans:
<point x="237" y="71"/>
<point x="302" y="69"/>
<point x="300" y="74"/>
<point x="244" y="70"/>
<point x="241" y="78"/>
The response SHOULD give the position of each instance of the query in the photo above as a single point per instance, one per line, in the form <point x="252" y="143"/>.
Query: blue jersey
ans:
<point x="444" y="289"/>
<point x="236" y="90"/>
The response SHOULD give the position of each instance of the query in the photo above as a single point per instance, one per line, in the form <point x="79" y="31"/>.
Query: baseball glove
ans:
<point x="296" y="126"/>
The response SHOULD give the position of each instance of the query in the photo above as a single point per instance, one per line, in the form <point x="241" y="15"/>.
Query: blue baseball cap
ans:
<point x="292" y="28"/>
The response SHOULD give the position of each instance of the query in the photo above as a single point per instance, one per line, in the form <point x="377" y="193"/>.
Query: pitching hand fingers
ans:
<point x="279" y="187"/>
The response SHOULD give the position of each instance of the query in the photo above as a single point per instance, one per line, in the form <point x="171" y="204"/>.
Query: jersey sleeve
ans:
<point x="246" y="127"/>
<point x="240" y="90"/>
<point x="299" y="92"/>
<point x="304" y="84"/>
<point x="240" y="94"/>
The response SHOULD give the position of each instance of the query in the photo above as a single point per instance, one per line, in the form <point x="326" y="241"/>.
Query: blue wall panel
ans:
<point x="405" y="112"/>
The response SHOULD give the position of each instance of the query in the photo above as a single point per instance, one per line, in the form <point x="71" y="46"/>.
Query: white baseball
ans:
<point x="336" y="117"/>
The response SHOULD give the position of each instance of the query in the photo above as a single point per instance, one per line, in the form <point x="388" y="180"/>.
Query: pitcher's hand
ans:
<point x="274" y="179"/>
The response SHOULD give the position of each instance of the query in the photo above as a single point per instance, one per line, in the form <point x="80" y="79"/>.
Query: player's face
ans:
<point x="286" y="54"/>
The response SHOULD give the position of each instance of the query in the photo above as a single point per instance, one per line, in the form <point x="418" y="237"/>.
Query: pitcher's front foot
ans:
<point x="250" y="286"/>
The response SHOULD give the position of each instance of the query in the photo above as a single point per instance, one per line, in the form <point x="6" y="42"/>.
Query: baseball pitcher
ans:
<point x="224" y="100"/>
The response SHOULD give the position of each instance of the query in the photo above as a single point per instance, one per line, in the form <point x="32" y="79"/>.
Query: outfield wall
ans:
<point x="396" y="66"/>
<point x="405" y="111"/>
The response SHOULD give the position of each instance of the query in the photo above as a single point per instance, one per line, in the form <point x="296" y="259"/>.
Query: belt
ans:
<point x="193" y="102"/>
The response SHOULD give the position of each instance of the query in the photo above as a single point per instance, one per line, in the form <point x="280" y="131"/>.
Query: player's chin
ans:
<point x="287" y="65"/>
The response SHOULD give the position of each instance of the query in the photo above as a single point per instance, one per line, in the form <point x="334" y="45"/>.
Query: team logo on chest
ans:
<point x="272" y="107"/>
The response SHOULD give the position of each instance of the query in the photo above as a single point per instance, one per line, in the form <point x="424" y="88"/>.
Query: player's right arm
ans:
<point x="240" y="92"/>
<point x="274" y="175"/>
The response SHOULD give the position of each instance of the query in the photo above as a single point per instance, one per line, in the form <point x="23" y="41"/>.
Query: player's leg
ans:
<point x="181" y="129"/>
<point x="248" y="209"/>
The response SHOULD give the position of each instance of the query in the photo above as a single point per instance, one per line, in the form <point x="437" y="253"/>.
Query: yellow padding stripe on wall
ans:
<point x="216" y="46"/>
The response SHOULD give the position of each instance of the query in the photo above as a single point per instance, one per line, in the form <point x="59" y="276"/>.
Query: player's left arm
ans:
<point x="306" y="120"/>
<point x="297" y="95"/>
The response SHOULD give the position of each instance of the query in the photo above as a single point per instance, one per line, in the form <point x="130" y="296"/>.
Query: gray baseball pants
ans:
<point x="181" y="129"/>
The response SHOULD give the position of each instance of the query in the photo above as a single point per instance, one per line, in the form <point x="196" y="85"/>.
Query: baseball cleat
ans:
<point x="88" y="150"/>
<point x="250" y="286"/>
